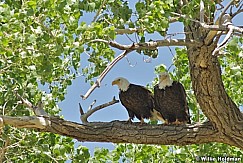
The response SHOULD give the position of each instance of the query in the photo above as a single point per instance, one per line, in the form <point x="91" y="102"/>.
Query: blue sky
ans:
<point x="140" y="73"/>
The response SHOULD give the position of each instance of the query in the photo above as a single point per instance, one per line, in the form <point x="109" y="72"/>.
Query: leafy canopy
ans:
<point x="41" y="43"/>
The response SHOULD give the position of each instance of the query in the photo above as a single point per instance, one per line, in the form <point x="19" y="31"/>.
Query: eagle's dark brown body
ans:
<point x="171" y="103"/>
<point x="138" y="101"/>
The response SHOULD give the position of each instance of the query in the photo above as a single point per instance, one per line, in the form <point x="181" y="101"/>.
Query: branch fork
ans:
<point x="84" y="116"/>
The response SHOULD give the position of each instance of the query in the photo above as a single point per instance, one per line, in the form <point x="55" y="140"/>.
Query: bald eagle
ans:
<point x="137" y="100"/>
<point x="170" y="100"/>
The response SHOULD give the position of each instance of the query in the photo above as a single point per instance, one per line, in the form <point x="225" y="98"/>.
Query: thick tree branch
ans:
<point x="120" y="132"/>
<point x="84" y="116"/>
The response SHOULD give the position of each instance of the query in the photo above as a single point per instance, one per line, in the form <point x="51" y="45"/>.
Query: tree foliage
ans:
<point x="41" y="43"/>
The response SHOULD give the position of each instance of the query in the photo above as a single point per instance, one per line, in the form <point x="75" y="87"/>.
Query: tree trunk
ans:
<point x="209" y="89"/>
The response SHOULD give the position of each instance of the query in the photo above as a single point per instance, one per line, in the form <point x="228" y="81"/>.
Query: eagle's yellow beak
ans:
<point x="115" y="82"/>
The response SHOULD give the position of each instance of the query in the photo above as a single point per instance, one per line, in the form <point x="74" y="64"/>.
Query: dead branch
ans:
<point x="81" y="111"/>
<point x="91" y="105"/>
<point x="227" y="22"/>
<point x="25" y="121"/>
<point x="84" y="117"/>
<point x="38" y="110"/>
<point x="103" y="74"/>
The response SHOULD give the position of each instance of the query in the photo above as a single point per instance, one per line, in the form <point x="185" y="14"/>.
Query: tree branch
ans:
<point x="84" y="116"/>
<point x="149" y="45"/>
<point x="224" y="10"/>
<point x="121" y="132"/>
<point x="103" y="74"/>
<point x="227" y="21"/>
<point x="217" y="27"/>
<point x="98" y="12"/>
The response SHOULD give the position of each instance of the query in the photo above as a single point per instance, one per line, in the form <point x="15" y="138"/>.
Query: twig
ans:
<point x="38" y="110"/>
<point x="91" y="105"/>
<point x="224" y="10"/>
<point x="238" y="11"/>
<point x="147" y="60"/>
<point x="129" y="63"/>
<point x="170" y="35"/>
<point x="85" y="116"/>
<point x="103" y="74"/>
<point x="98" y="12"/>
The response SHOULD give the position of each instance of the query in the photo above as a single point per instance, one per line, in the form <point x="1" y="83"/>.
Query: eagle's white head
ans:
<point x="122" y="83"/>
<point x="164" y="80"/>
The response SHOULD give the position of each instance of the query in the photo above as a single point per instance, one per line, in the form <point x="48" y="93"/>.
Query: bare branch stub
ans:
<point x="81" y="111"/>
<point x="84" y="116"/>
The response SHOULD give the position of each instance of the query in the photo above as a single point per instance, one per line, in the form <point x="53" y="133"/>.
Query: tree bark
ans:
<point x="118" y="131"/>
<point x="209" y="89"/>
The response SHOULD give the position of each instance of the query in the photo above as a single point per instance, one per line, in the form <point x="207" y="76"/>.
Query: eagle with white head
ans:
<point x="137" y="100"/>
<point x="170" y="100"/>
